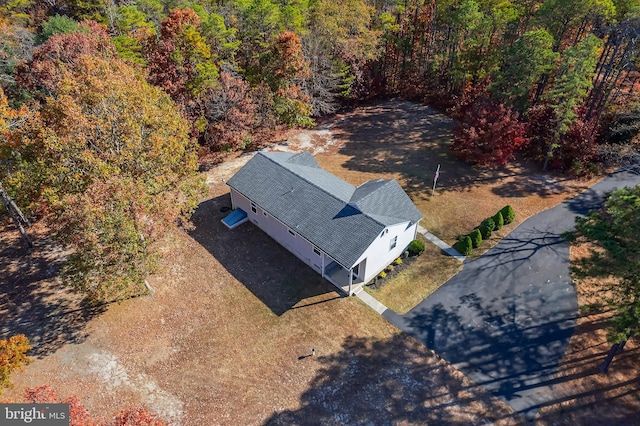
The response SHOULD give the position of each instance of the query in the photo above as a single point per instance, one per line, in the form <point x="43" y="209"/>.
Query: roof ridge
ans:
<point x="307" y="180"/>
<point x="329" y="193"/>
<point x="386" y="182"/>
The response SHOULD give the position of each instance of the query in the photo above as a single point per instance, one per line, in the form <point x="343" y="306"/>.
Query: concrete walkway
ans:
<point x="444" y="246"/>
<point x="369" y="300"/>
<point x="506" y="319"/>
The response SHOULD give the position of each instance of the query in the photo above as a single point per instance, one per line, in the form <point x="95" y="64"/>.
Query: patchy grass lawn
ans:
<point x="425" y="274"/>
<point x="224" y="338"/>
<point x="411" y="140"/>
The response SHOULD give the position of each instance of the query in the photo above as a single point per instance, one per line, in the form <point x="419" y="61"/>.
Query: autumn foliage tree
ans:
<point x="286" y="70"/>
<point x="180" y="62"/>
<point x="43" y="74"/>
<point x="112" y="168"/>
<point x="79" y="415"/>
<point x="12" y="357"/>
<point x="230" y="114"/>
<point x="489" y="134"/>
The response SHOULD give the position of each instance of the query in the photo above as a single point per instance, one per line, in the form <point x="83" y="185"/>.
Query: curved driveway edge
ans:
<point x="506" y="319"/>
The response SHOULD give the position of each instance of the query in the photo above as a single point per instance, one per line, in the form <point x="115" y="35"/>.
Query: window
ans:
<point x="316" y="250"/>
<point x="264" y="213"/>
<point x="394" y="242"/>
<point x="253" y="208"/>
<point x="291" y="232"/>
<point x="384" y="233"/>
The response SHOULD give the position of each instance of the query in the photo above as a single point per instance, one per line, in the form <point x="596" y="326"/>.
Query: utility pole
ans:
<point x="16" y="214"/>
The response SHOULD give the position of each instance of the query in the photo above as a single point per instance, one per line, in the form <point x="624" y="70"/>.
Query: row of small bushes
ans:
<point x="467" y="243"/>
<point x="415" y="248"/>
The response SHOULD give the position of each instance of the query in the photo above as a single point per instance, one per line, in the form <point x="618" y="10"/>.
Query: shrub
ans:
<point x="416" y="247"/>
<point x="382" y="275"/>
<point x="390" y="268"/>
<point x="12" y="357"/>
<point x="464" y="245"/>
<point x="476" y="238"/>
<point x="489" y="134"/>
<point x="508" y="214"/>
<point x="498" y="221"/>
<point x="486" y="227"/>
<point x="398" y="261"/>
<point x="405" y="254"/>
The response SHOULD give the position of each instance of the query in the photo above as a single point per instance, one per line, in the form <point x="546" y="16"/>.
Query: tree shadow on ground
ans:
<point x="274" y="275"/>
<point x="535" y="183"/>
<point x="412" y="139"/>
<point x="33" y="302"/>
<point x="587" y="201"/>
<point x="391" y="381"/>
<point x="513" y="357"/>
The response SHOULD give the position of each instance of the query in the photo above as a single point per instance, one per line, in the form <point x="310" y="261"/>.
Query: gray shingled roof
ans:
<point x="335" y="216"/>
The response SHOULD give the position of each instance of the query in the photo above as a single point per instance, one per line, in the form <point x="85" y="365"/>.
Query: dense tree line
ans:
<point x="105" y="104"/>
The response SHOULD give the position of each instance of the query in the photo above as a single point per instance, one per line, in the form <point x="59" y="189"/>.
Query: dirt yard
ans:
<point x="226" y="336"/>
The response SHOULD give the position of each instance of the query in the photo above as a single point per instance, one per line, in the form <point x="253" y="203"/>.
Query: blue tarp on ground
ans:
<point x="235" y="218"/>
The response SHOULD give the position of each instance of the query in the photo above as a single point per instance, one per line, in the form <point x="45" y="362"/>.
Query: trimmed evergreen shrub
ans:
<point x="464" y="245"/>
<point x="508" y="214"/>
<point x="498" y="221"/>
<point x="486" y="227"/>
<point x="415" y="247"/>
<point x="476" y="238"/>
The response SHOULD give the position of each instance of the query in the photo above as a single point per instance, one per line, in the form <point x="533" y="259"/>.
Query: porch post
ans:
<point x="322" y="265"/>
<point x="350" y="279"/>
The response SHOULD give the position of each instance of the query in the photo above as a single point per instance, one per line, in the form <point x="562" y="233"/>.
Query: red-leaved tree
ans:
<point x="137" y="416"/>
<point x="42" y="75"/>
<point x="230" y="114"/>
<point x="79" y="416"/>
<point x="489" y="135"/>
<point x="580" y="143"/>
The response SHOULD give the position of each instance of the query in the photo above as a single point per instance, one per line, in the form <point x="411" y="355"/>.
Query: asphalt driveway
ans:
<point x="506" y="319"/>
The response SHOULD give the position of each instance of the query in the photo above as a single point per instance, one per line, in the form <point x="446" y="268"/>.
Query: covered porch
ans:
<point x="347" y="280"/>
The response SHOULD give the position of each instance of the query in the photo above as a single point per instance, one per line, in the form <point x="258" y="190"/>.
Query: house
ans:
<point x="347" y="234"/>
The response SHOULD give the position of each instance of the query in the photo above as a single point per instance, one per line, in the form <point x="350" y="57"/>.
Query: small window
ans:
<point x="316" y="250"/>
<point x="394" y="242"/>
<point x="384" y="233"/>
<point x="291" y="232"/>
<point x="253" y="208"/>
<point x="264" y="213"/>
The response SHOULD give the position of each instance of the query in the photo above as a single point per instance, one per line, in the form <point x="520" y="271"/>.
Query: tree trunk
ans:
<point x="16" y="215"/>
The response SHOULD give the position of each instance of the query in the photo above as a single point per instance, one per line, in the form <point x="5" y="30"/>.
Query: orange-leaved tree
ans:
<point x="110" y="165"/>
<point x="12" y="357"/>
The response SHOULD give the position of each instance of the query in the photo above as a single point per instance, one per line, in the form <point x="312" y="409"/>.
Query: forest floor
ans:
<point x="225" y="337"/>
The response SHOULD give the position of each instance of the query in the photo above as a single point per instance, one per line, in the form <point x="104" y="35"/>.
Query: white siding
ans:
<point x="373" y="260"/>
<point x="379" y="254"/>
<point x="287" y="237"/>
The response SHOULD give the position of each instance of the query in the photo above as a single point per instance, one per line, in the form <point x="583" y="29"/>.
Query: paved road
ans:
<point x="505" y="320"/>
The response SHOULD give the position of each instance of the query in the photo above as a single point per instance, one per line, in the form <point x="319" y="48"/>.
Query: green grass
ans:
<point x="428" y="272"/>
